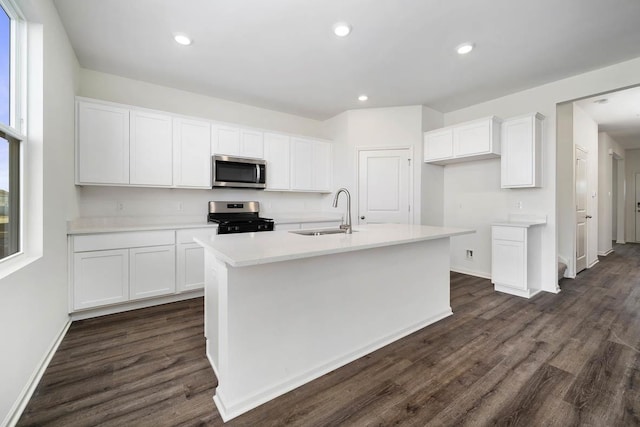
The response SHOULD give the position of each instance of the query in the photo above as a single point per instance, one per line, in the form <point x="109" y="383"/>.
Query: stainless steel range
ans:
<point x="238" y="217"/>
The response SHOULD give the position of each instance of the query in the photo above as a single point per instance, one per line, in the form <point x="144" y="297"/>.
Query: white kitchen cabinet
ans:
<point x="438" y="145"/>
<point x="237" y="142"/>
<point x="110" y="268"/>
<point x="516" y="257"/>
<point x="102" y="144"/>
<point x="251" y="144"/>
<point x="150" y="149"/>
<point x="191" y="153"/>
<point x="190" y="259"/>
<point x="100" y="278"/>
<point x="310" y="165"/>
<point x="152" y="271"/>
<point x="474" y="140"/>
<point x="277" y="155"/>
<point x="521" y="162"/>
<point x="225" y="140"/>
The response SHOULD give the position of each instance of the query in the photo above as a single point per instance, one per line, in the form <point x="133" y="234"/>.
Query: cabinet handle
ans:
<point x="588" y="216"/>
<point x="362" y="217"/>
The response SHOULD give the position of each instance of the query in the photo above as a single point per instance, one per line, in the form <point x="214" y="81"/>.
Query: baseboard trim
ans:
<point x="605" y="253"/>
<point x="471" y="273"/>
<point x="21" y="403"/>
<point x="593" y="263"/>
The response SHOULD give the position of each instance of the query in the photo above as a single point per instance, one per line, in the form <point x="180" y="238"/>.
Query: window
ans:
<point x="11" y="127"/>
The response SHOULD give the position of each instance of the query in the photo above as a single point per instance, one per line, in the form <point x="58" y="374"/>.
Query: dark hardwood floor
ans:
<point x="570" y="359"/>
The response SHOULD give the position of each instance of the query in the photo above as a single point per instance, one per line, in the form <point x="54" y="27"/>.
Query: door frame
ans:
<point x="412" y="166"/>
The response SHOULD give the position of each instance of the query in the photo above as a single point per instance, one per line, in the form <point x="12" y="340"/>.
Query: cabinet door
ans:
<point x="321" y="166"/>
<point x="521" y="152"/>
<point x="100" y="278"/>
<point x="192" y="153"/>
<point x="276" y="153"/>
<point x="102" y="150"/>
<point x="152" y="271"/>
<point x="472" y="138"/>
<point x="151" y="149"/>
<point x="251" y="144"/>
<point x="190" y="267"/>
<point x="508" y="263"/>
<point x="301" y="164"/>
<point x="438" y="145"/>
<point x="226" y="140"/>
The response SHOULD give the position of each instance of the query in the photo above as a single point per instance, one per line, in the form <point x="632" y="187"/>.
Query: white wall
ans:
<point x="376" y="127"/>
<point x="632" y="167"/>
<point x="585" y="135"/>
<point x="542" y="99"/>
<point x="565" y="188"/>
<point x="607" y="182"/>
<point x="432" y="197"/>
<point x="33" y="307"/>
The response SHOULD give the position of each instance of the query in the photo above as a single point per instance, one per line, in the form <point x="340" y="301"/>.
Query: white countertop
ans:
<point x="523" y="224"/>
<point x="146" y="223"/>
<point x="240" y="250"/>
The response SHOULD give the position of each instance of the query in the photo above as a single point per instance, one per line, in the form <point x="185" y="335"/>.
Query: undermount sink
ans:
<point x="319" y="232"/>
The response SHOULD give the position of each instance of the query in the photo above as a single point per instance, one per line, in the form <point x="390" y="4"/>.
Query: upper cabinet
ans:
<point x="237" y="142"/>
<point x="310" y="165"/>
<point x="475" y="140"/>
<point x="150" y="149"/>
<point x="191" y="153"/>
<point x="102" y="144"/>
<point x="129" y="146"/>
<point x="277" y="155"/>
<point x="521" y="161"/>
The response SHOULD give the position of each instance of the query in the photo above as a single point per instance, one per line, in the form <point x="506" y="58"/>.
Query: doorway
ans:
<point x="581" y="209"/>
<point x="385" y="189"/>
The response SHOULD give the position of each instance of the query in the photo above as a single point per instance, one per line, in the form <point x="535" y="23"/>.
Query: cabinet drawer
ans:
<point x="99" y="242"/>
<point x="508" y="233"/>
<point x="187" y="235"/>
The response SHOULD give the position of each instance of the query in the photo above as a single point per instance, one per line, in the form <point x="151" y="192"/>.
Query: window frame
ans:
<point x="15" y="132"/>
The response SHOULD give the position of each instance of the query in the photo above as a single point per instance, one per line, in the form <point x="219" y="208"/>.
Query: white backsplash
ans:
<point x="129" y="202"/>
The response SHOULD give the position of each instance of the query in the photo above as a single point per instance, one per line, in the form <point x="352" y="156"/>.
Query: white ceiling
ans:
<point x="282" y="54"/>
<point x="619" y="116"/>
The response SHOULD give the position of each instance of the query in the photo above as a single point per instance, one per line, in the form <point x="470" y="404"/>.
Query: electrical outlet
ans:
<point x="120" y="206"/>
<point x="469" y="254"/>
<point x="519" y="205"/>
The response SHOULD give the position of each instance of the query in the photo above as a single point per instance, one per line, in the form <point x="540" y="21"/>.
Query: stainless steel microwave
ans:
<point x="238" y="172"/>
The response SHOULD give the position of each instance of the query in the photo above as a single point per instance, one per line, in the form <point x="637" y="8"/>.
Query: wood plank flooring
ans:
<point x="570" y="359"/>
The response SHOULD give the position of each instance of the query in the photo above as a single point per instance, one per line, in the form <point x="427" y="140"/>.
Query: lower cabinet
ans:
<point x="152" y="271"/>
<point x="516" y="259"/>
<point x="115" y="268"/>
<point x="100" y="278"/>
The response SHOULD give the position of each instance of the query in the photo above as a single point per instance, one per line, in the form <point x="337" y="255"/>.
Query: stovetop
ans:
<point x="238" y="217"/>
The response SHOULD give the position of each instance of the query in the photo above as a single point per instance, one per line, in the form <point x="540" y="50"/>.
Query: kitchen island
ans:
<point x="282" y="309"/>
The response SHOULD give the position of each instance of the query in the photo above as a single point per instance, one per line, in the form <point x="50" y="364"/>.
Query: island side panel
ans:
<point x="286" y="323"/>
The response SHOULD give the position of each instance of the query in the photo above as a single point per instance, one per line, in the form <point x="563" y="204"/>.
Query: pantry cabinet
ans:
<point x="474" y="140"/>
<point x="192" y="153"/>
<point x="521" y="162"/>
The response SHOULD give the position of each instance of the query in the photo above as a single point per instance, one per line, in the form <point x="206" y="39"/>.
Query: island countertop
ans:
<point x="246" y="249"/>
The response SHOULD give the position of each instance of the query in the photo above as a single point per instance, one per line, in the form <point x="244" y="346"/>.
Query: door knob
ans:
<point x="362" y="217"/>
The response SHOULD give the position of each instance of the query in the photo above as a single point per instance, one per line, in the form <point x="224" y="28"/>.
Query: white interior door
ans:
<point x="384" y="194"/>
<point x="581" y="209"/>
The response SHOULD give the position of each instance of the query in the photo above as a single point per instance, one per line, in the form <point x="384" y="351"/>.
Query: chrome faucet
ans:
<point x="347" y="223"/>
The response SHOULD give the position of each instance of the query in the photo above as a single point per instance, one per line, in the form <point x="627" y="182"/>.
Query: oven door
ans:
<point x="238" y="172"/>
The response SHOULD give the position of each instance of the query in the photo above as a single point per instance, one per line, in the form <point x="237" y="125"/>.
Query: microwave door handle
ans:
<point x="258" y="171"/>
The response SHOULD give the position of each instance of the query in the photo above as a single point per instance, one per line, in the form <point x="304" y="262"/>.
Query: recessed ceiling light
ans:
<point x="182" y="39"/>
<point x="601" y="101"/>
<point x="464" y="48"/>
<point x="363" y="98"/>
<point x="341" y="29"/>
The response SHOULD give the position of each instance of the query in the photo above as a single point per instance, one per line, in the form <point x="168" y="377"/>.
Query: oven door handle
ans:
<point x="258" y="172"/>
